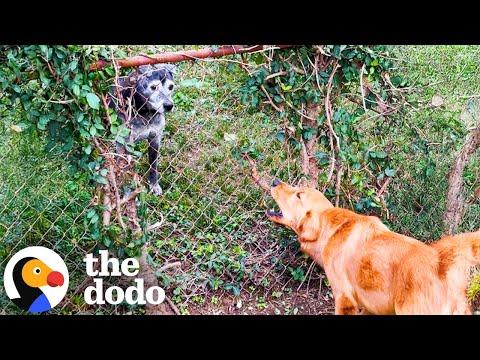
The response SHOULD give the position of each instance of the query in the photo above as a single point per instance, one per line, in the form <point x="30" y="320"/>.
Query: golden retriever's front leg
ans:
<point x="346" y="306"/>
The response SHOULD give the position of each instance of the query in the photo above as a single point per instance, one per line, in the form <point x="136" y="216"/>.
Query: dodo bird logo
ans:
<point x="36" y="279"/>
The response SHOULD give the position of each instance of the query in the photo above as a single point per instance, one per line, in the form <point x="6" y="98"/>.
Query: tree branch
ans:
<point x="177" y="56"/>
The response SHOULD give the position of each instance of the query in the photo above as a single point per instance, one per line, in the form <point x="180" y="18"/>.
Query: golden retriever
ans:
<point x="371" y="269"/>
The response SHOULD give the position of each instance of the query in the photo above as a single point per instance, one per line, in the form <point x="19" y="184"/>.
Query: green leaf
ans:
<point x="90" y="213"/>
<point x="123" y="131"/>
<point x="73" y="65"/>
<point x="99" y="126"/>
<point x="390" y="172"/>
<point x="381" y="154"/>
<point x="93" y="101"/>
<point x="42" y="122"/>
<point x="309" y="133"/>
<point x="101" y="180"/>
<point x="94" y="219"/>
<point x="191" y="83"/>
<point x="44" y="49"/>
<point x="76" y="89"/>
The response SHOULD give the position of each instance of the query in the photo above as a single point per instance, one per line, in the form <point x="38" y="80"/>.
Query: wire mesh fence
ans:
<point x="207" y="234"/>
<point x="212" y="247"/>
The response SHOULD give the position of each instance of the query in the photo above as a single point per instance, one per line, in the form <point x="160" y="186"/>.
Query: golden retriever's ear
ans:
<point x="308" y="228"/>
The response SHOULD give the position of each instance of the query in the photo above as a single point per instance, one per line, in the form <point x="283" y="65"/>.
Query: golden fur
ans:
<point x="371" y="269"/>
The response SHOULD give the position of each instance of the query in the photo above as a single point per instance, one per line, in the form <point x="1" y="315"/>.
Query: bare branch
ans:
<point x="256" y="178"/>
<point x="177" y="56"/>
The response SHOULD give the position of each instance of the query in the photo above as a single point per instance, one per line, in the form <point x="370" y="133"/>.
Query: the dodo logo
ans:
<point x="36" y="279"/>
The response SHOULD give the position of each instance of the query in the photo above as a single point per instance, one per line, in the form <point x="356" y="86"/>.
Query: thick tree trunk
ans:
<point x="309" y="162"/>
<point x="455" y="195"/>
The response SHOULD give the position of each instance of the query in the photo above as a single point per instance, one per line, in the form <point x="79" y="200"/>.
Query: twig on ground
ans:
<point x="384" y="186"/>
<point x="306" y="275"/>
<point x="172" y="305"/>
<point x="171" y="265"/>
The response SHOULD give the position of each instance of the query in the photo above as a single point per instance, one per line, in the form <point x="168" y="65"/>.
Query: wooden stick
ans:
<point x="258" y="180"/>
<point x="177" y="56"/>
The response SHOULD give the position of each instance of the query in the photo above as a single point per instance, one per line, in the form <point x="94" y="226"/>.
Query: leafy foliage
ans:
<point x="292" y="79"/>
<point x="51" y="88"/>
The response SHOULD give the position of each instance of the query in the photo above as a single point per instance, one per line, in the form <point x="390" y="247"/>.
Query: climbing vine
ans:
<point x="324" y="96"/>
<point x="50" y="88"/>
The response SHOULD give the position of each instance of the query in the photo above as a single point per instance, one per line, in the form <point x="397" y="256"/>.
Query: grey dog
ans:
<point x="145" y="97"/>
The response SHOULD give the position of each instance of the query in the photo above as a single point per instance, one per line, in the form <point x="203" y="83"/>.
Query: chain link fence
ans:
<point x="207" y="235"/>
<point x="208" y="239"/>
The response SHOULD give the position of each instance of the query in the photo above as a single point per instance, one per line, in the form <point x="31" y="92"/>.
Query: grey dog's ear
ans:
<point x="172" y="69"/>
<point x="144" y="68"/>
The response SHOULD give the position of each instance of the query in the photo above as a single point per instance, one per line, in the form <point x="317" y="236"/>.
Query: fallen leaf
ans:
<point x="477" y="193"/>
<point x="16" y="128"/>
<point x="437" y="101"/>
<point x="229" y="137"/>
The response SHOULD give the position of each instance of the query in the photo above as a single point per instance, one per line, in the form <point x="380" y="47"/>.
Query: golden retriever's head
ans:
<point x="299" y="208"/>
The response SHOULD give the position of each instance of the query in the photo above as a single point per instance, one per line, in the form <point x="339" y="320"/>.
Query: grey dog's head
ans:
<point x="154" y="88"/>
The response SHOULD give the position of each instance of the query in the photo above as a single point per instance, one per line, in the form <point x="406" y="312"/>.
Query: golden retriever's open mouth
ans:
<point x="274" y="213"/>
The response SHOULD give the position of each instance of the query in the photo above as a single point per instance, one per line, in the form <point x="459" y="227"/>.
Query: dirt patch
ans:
<point x="301" y="302"/>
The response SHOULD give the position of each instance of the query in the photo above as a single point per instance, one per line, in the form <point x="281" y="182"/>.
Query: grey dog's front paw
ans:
<point x="156" y="189"/>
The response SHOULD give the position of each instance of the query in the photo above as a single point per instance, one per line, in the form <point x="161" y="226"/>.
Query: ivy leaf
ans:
<point x="322" y="158"/>
<point x="101" y="180"/>
<point x="381" y="154"/>
<point x="123" y="131"/>
<point x="42" y="122"/>
<point x="93" y="101"/>
<point x="308" y="133"/>
<point x="76" y="89"/>
<point x="44" y="49"/>
<point x="280" y="136"/>
<point x="93" y="130"/>
<point x="390" y="172"/>
<point x="73" y="65"/>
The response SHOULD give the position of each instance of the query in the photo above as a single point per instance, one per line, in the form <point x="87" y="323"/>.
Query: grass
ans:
<point x="42" y="203"/>
<point x="213" y="216"/>
<point x="429" y="137"/>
